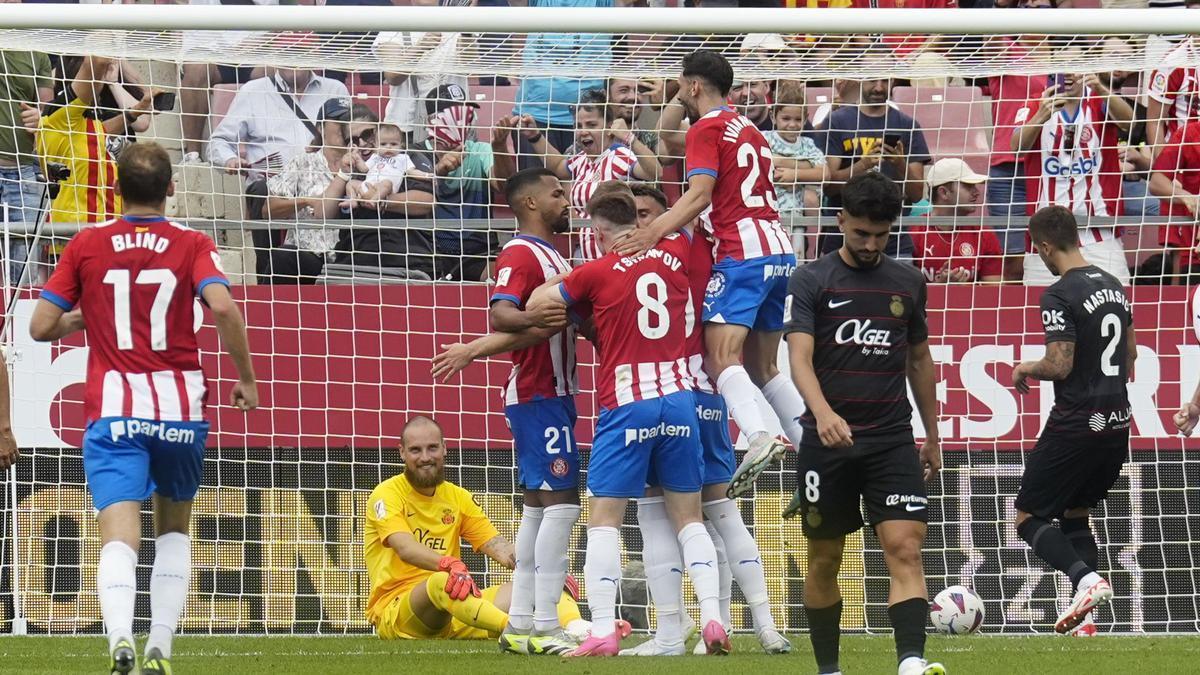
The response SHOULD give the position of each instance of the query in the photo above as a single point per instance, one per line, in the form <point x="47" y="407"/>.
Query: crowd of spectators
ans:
<point x="1102" y="144"/>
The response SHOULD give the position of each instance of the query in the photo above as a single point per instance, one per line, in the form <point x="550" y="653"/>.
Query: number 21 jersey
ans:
<point x="135" y="279"/>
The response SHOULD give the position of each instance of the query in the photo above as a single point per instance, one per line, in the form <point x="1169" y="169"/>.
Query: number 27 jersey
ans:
<point x="136" y="280"/>
<point x="742" y="216"/>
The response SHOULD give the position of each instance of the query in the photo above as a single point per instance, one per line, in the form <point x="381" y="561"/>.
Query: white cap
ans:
<point x="755" y="41"/>
<point x="952" y="170"/>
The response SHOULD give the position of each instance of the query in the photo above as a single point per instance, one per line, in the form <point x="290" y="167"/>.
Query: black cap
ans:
<point x="446" y="96"/>
<point x="336" y="109"/>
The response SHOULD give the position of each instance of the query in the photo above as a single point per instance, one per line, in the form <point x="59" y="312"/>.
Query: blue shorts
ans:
<point x="126" y="459"/>
<point x="749" y="293"/>
<point x="544" y="434"/>
<point x="646" y="443"/>
<point x="714" y="436"/>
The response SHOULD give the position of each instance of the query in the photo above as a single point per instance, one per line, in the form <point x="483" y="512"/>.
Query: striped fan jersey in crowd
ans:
<point x="1177" y="87"/>
<point x="136" y="280"/>
<point x="699" y="271"/>
<point x="728" y="147"/>
<point x="615" y="163"/>
<point x="547" y="369"/>
<point x="643" y="315"/>
<point x="1074" y="163"/>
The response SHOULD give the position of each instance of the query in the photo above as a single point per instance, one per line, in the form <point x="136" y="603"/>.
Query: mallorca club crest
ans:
<point x="447" y="517"/>
<point x="813" y="517"/>
<point x="559" y="467"/>
<point x="897" y="306"/>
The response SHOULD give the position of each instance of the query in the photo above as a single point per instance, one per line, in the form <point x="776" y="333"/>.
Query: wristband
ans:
<point x="344" y="176"/>
<point x="535" y="139"/>
<point x="630" y="138"/>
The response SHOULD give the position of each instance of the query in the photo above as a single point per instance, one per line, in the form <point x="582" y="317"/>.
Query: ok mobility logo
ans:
<point x="644" y="434"/>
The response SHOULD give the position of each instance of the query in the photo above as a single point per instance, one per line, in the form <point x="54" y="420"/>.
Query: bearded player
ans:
<point x="420" y="587"/>
<point x="1090" y="350"/>
<point x="136" y="279"/>
<point x="729" y="188"/>
<point x="646" y="433"/>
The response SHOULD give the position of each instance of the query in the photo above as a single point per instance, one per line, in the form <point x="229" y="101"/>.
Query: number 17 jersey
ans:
<point x="136" y="280"/>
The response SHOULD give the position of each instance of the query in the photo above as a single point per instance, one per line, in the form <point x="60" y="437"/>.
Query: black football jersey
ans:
<point x="862" y="322"/>
<point x="1088" y="306"/>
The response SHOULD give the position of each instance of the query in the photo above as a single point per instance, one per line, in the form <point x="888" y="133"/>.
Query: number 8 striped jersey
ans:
<point x="742" y="216"/>
<point x="136" y="280"/>
<point x="643" y="314"/>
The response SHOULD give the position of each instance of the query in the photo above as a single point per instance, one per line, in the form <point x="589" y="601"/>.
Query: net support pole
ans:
<point x="19" y="624"/>
<point x="602" y="20"/>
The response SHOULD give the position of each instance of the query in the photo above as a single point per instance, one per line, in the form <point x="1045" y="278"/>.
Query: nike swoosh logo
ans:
<point x="913" y="507"/>
<point x="410" y="515"/>
<point x="835" y="305"/>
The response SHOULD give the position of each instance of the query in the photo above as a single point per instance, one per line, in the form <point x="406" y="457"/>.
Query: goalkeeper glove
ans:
<point x="460" y="584"/>
<point x="571" y="586"/>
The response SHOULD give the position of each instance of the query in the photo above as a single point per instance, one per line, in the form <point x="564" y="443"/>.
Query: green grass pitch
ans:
<point x="368" y="655"/>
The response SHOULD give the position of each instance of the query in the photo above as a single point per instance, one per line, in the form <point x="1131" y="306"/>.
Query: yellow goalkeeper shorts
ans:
<point x="398" y="622"/>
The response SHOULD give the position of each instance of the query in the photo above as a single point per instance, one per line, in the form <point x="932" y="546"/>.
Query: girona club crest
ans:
<point x="559" y="467"/>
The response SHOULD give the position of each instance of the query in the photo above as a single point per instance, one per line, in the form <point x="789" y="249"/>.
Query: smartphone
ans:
<point x="1060" y="82"/>
<point x="164" y="102"/>
<point x="892" y="140"/>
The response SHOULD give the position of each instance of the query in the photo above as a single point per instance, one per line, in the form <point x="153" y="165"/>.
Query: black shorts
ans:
<point x="835" y="484"/>
<point x="235" y="74"/>
<point x="1069" y="473"/>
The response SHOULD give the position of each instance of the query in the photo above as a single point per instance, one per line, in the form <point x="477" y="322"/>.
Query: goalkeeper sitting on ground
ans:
<point x="419" y="586"/>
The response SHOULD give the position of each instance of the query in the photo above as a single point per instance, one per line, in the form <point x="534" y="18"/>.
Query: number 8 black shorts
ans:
<point x="835" y="484"/>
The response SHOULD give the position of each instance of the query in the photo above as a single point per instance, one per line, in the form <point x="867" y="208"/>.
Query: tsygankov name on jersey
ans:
<point x="624" y="264"/>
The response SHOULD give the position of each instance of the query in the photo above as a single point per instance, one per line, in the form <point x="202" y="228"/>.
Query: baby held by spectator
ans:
<point x="799" y="163"/>
<point x="386" y="170"/>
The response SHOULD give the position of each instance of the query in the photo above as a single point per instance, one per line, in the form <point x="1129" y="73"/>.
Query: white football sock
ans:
<point x="602" y="574"/>
<point x="116" y="584"/>
<point x="735" y="385"/>
<point x="664" y="569"/>
<point x="554" y="538"/>
<point x="725" y="587"/>
<point x="788" y="405"/>
<point x="701" y="559"/>
<point x="745" y="560"/>
<point x="169" y="583"/>
<point x="520" y="611"/>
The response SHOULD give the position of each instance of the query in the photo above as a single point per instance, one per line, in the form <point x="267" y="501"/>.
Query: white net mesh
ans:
<point x="343" y="337"/>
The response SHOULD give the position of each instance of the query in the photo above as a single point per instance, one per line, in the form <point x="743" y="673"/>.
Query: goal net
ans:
<point x="348" y="292"/>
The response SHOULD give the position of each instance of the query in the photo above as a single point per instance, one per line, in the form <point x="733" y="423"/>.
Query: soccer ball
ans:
<point x="956" y="611"/>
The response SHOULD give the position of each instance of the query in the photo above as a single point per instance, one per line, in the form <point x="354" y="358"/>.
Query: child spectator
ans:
<point x="386" y="170"/>
<point x="799" y="163"/>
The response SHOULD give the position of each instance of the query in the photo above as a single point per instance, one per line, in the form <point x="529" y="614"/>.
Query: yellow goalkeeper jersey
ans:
<point x="438" y="522"/>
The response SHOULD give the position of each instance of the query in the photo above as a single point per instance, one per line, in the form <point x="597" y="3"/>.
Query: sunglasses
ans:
<point x="363" y="137"/>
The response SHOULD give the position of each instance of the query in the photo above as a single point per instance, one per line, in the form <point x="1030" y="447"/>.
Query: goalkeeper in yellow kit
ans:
<point x="420" y="587"/>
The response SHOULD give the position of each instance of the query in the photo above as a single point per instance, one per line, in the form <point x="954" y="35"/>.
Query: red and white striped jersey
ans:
<point x="1074" y="164"/>
<point x="742" y="216"/>
<point x="615" y="163"/>
<point x="547" y="369"/>
<point x="643" y="315"/>
<point x="1177" y="87"/>
<point x="136" y="280"/>
<point x="699" y="271"/>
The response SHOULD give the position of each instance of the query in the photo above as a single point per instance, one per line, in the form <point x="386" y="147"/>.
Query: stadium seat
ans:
<point x="219" y="102"/>
<point x="374" y="96"/>
<point x="494" y="103"/>
<point x="348" y="274"/>
<point x="957" y="121"/>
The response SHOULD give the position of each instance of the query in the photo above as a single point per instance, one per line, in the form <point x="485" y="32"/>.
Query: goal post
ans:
<point x="343" y="352"/>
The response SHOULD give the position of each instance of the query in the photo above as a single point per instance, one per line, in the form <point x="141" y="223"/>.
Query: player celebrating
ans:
<point x="540" y="407"/>
<point x="729" y="188"/>
<point x="420" y="587"/>
<point x="856" y="327"/>
<point x="646" y="433"/>
<point x="731" y="538"/>
<point x="135" y="280"/>
<point x="1090" y="349"/>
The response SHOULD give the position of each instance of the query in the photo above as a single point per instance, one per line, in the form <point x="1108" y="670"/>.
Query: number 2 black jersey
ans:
<point x="1088" y="306"/>
<point x="862" y="322"/>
